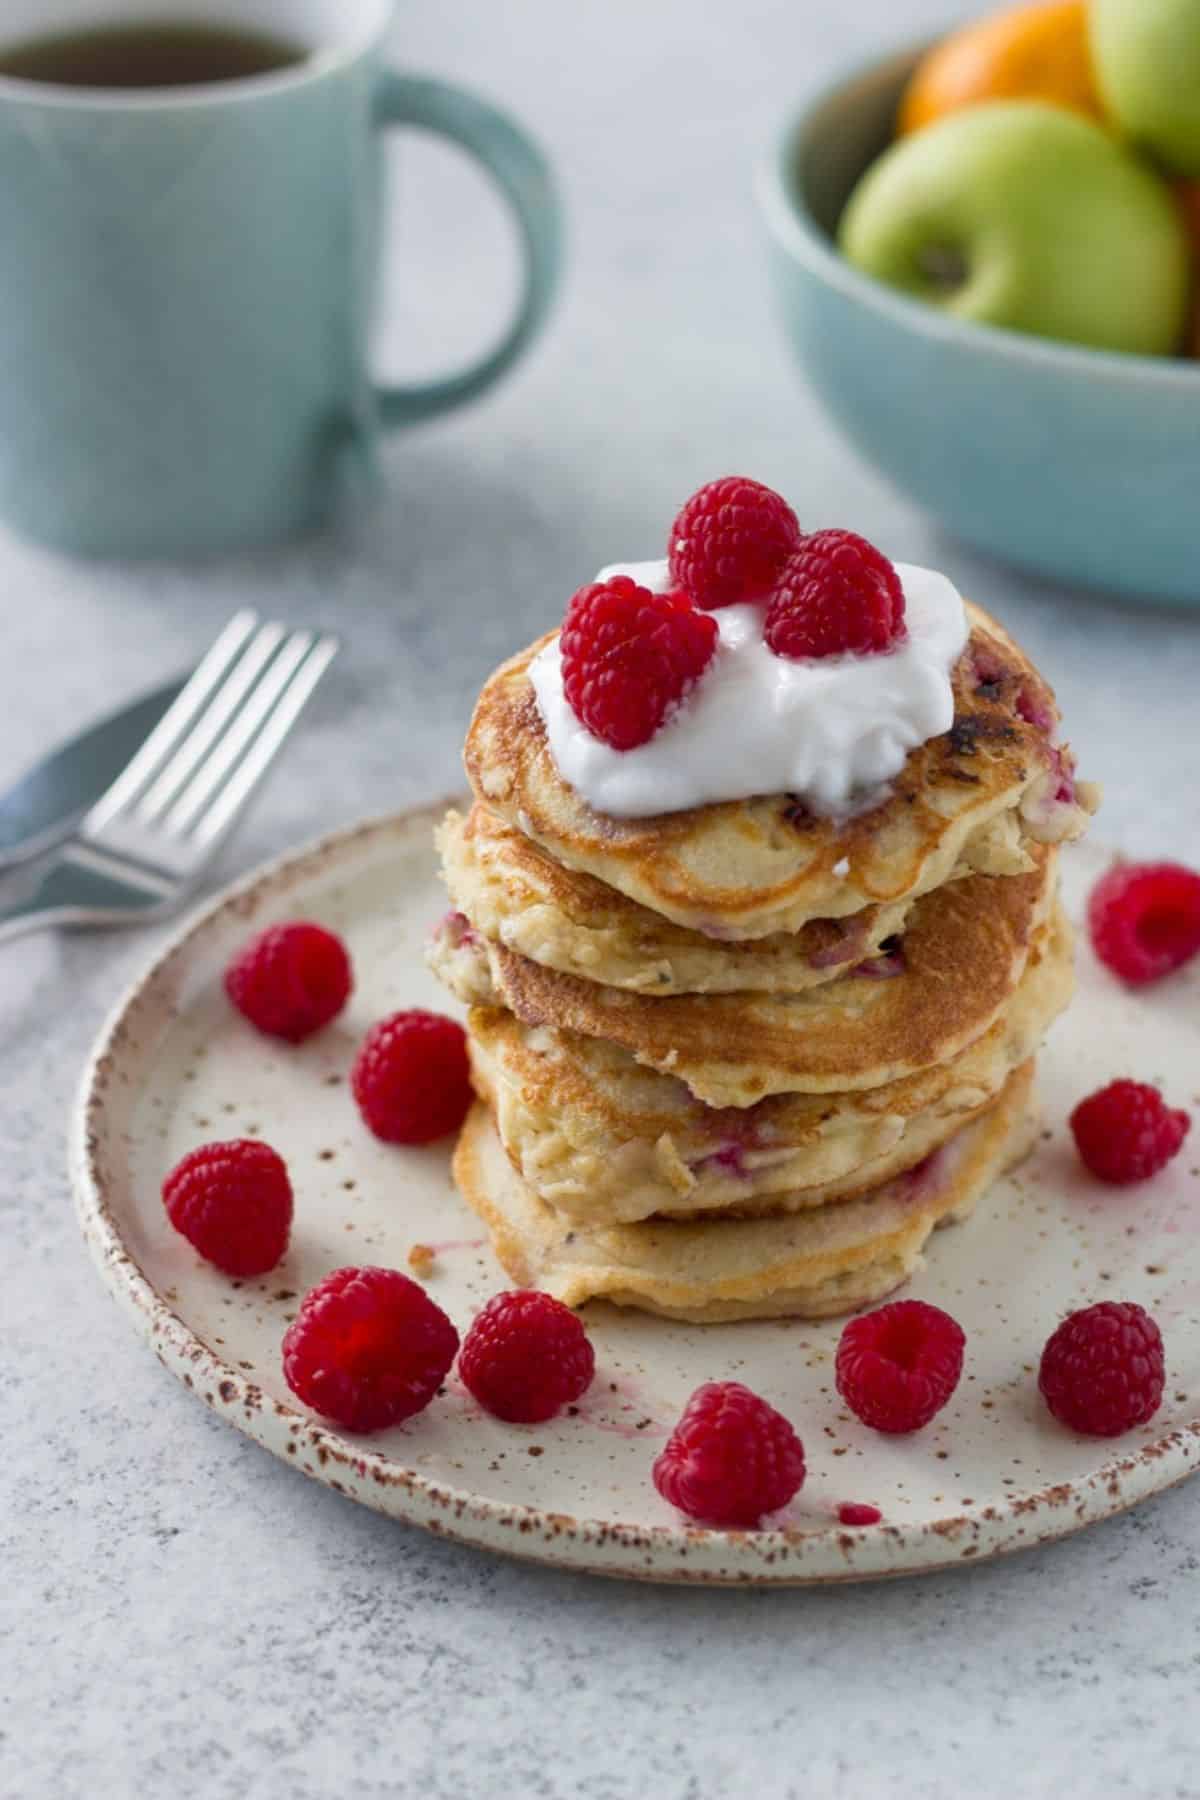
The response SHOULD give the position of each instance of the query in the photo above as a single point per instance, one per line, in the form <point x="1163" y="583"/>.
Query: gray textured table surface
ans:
<point x="183" y="1615"/>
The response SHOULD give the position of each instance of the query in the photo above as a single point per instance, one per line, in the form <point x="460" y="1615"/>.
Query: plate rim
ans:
<point x="686" y="1554"/>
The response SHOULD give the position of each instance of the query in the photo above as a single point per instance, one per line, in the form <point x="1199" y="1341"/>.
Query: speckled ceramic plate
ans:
<point x="175" y="1067"/>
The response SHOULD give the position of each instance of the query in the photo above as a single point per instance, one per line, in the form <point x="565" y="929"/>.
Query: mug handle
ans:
<point x="523" y="176"/>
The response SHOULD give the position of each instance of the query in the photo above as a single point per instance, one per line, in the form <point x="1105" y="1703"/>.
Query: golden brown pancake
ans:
<point x="976" y="797"/>
<point x="509" y="889"/>
<point x="814" y="1264"/>
<point x="963" y="953"/>
<point x="605" y="1141"/>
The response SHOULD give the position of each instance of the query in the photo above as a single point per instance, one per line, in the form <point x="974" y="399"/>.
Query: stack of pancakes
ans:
<point x="740" y="1061"/>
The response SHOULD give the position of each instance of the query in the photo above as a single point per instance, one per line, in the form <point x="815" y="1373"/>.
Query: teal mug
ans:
<point x="187" y="275"/>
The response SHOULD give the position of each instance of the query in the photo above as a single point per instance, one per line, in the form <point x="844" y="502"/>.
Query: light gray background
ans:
<point x="183" y="1615"/>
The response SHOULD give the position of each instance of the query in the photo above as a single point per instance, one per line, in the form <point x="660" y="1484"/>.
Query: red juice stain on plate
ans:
<point x="853" y="1512"/>
<point x="620" y="1408"/>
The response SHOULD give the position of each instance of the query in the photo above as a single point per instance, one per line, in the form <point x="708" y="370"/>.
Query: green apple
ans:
<point x="1022" y="214"/>
<point x="1146" y="57"/>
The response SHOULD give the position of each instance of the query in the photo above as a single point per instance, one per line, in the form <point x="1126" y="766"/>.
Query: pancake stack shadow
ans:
<point x="739" y="1062"/>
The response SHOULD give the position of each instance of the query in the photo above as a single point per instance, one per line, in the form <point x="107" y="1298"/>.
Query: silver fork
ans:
<point x="145" y="843"/>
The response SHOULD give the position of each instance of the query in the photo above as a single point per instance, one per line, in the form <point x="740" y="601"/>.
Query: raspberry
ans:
<point x="525" y="1356"/>
<point x="412" y="1077"/>
<point x="1102" y="1371"/>
<point x="896" y="1367"/>
<point x="629" y="656"/>
<point x="730" y="541"/>
<point x="1126" y="1132"/>
<point x="290" y="979"/>
<point x="1145" y="919"/>
<point x="368" y="1348"/>
<point x="730" y="1459"/>
<point x="233" y="1203"/>
<point x="855" y="1512"/>
<point x="1034" y="706"/>
<point x="837" y="594"/>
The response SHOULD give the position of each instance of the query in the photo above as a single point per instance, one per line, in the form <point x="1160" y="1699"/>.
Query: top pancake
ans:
<point x="971" y="799"/>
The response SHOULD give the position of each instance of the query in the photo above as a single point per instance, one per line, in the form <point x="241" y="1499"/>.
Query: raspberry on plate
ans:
<point x="412" y="1077"/>
<point x="896" y="1367"/>
<point x="525" y="1357"/>
<point x="1144" y="919"/>
<point x="1102" y="1371"/>
<point x="233" y="1203"/>
<point x="368" y="1348"/>
<point x="855" y="1512"/>
<point x="730" y="541"/>
<point x="837" y="594"/>
<point x="1126" y="1132"/>
<point x="290" y="980"/>
<point x="730" y="1459"/>
<point x="629" y="656"/>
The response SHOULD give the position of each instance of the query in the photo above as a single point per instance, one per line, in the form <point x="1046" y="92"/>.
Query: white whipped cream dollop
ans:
<point x="832" y="731"/>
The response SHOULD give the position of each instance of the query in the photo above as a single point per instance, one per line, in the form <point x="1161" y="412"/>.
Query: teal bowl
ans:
<point x="1083" y="465"/>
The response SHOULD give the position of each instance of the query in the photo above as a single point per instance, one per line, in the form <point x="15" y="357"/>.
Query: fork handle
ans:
<point x="33" y="914"/>
<point x="21" y="920"/>
<point x="59" y="899"/>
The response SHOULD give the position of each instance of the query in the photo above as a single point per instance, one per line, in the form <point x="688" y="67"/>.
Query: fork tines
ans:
<point x="199" y="767"/>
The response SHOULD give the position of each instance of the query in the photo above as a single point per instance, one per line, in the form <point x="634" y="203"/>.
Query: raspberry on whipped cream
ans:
<point x="730" y="541"/>
<point x="837" y="593"/>
<point x="629" y="657"/>
<point x="832" y="731"/>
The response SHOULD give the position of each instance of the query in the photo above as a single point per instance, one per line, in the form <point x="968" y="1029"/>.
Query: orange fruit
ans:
<point x="1037" y="52"/>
